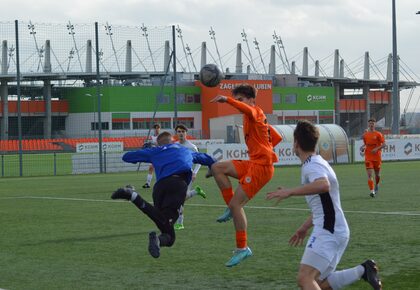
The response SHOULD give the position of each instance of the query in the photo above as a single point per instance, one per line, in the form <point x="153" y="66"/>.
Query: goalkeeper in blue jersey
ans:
<point x="172" y="163"/>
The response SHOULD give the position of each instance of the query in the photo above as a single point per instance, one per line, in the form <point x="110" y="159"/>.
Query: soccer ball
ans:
<point x="210" y="75"/>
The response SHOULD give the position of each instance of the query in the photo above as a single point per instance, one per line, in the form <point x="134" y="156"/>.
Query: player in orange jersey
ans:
<point x="252" y="174"/>
<point x="373" y="141"/>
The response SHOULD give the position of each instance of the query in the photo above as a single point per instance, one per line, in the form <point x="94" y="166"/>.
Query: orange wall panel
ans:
<point x="57" y="106"/>
<point x="356" y="105"/>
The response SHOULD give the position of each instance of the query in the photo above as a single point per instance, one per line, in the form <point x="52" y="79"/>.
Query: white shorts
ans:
<point x="324" y="251"/>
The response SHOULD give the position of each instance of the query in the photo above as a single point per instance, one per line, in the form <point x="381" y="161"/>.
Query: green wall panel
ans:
<point x="127" y="99"/>
<point x="143" y="99"/>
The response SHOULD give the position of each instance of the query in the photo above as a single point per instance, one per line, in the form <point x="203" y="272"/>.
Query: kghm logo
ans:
<point x="311" y="98"/>
<point x="408" y="148"/>
<point x="218" y="154"/>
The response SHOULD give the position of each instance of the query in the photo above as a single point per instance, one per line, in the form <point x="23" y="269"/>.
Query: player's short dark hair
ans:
<point x="372" y="120"/>
<point x="181" y="126"/>
<point x="164" y="138"/>
<point x="156" y="126"/>
<point x="306" y="135"/>
<point x="245" y="90"/>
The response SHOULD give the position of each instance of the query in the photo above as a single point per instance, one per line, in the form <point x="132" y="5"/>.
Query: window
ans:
<point x="146" y="123"/>
<point x="188" y="98"/>
<point x="188" y="122"/>
<point x="197" y="98"/>
<point x="290" y="99"/>
<point x="291" y="120"/>
<point x="58" y="123"/>
<point x="180" y="98"/>
<point x="95" y="126"/>
<point x="163" y="99"/>
<point x="120" y="124"/>
<point x="120" y="121"/>
<point x="276" y="99"/>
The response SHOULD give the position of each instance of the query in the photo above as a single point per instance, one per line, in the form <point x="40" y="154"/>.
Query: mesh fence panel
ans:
<point x="61" y="100"/>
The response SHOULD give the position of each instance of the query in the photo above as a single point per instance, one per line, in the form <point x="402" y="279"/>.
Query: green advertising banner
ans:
<point x="303" y="98"/>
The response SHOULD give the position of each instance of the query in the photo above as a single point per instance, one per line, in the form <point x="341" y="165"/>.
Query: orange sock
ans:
<point x="377" y="178"/>
<point x="227" y="194"/>
<point x="241" y="239"/>
<point x="370" y="183"/>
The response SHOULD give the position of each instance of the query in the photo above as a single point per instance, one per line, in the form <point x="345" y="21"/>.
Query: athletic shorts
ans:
<point x="373" y="164"/>
<point x="324" y="251"/>
<point x="169" y="194"/>
<point x="252" y="176"/>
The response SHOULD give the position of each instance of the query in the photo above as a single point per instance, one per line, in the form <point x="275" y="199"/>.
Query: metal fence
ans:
<point x="59" y="81"/>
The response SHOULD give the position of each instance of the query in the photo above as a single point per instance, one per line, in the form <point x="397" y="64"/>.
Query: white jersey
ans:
<point x="326" y="207"/>
<point x="154" y="139"/>
<point x="192" y="147"/>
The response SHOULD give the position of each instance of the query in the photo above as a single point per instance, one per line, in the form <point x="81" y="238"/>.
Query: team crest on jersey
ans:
<point x="248" y="179"/>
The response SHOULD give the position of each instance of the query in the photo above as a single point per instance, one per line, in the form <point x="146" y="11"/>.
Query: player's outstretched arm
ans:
<point x="318" y="186"/>
<point x="219" y="99"/>
<point x="138" y="156"/>
<point x="203" y="159"/>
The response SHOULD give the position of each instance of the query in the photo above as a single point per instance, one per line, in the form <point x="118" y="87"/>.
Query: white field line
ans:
<point x="401" y="213"/>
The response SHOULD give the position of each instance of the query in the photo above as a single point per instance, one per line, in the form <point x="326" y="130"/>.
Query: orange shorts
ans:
<point x="252" y="176"/>
<point x="373" y="164"/>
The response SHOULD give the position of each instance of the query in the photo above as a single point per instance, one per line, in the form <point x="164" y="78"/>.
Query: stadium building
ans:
<point x="130" y="100"/>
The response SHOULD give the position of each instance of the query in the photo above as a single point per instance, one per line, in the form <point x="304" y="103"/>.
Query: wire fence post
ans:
<point x="18" y="98"/>
<point x="98" y="95"/>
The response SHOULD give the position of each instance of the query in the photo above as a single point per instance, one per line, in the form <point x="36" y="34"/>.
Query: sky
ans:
<point x="352" y="26"/>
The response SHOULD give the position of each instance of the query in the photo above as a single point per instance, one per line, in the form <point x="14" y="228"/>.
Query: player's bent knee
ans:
<point x="221" y="167"/>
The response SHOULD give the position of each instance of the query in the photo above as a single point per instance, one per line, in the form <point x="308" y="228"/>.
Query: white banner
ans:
<point x="94" y="147"/>
<point x="203" y="143"/>
<point x="239" y="151"/>
<point x="396" y="149"/>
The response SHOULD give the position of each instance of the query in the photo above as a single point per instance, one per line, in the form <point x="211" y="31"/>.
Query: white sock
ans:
<point x="191" y="193"/>
<point x="134" y="196"/>
<point x="180" y="219"/>
<point x="149" y="178"/>
<point x="339" y="279"/>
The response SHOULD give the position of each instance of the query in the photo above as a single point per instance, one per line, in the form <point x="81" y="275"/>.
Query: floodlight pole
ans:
<point x="174" y="67"/>
<point x="395" y="75"/>
<point x="98" y="94"/>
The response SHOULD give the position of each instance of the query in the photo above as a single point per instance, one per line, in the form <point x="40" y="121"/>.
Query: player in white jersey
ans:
<point x="330" y="233"/>
<point x="181" y="133"/>
<point x="153" y="141"/>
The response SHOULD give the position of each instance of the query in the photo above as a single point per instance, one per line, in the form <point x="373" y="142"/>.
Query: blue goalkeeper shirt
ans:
<point x="169" y="159"/>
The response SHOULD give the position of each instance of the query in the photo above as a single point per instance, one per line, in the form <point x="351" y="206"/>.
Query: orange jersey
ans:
<point x="373" y="140"/>
<point x="260" y="137"/>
